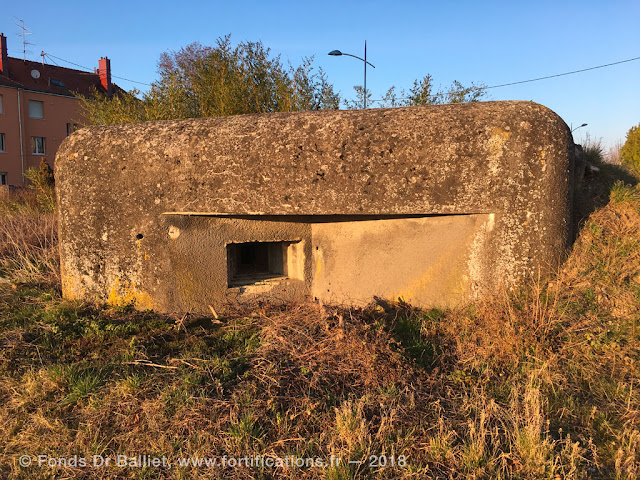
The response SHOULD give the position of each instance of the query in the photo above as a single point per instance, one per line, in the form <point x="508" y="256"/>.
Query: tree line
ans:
<point x="205" y="81"/>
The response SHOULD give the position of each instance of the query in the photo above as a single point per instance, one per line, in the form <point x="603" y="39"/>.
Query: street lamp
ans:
<point x="583" y="125"/>
<point x="337" y="53"/>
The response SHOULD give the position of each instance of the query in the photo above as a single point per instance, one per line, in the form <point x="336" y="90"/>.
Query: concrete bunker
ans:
<point x="435" y="205"/>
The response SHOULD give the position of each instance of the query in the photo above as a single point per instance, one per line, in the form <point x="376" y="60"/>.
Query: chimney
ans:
<point x="4" y="60"/>
<point x="105" y="73"/>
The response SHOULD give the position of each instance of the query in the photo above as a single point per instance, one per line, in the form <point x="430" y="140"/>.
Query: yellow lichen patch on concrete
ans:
<point x="495" y="145"/>
<point x="120" y="295"/>
<point x="497" y="140"/>
<point x="542" y="157"/>
<point x="70" y="288"/>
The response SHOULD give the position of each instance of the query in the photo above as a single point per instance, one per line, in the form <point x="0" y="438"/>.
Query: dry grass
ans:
<point x="29" y="247"/>
<point x="29" y="238"/>
<point x="593" y="149"/>
<point x="536" y="384"/>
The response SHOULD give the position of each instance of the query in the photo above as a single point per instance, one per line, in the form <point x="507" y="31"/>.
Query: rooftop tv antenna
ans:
<point x="23" y="34"/>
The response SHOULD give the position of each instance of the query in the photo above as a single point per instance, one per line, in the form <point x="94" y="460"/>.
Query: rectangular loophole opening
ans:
<point x="253" y="263"/>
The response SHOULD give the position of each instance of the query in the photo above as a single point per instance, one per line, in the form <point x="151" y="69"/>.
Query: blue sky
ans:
<point x="488" y="42"/>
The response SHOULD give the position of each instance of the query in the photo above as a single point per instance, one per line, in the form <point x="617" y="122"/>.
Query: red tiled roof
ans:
<point x="52" y="79"/>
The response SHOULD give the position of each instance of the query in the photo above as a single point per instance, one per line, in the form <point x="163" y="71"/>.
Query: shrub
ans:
<point x="630" y="152"/>
<point x="42" y="183"/>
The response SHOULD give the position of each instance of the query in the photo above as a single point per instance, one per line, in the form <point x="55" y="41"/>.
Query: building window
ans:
<point x="0" y="104"/>
<point x="37" y="144"/>
<point x="3" y="178"/>
<point x="71" y="127"/>
<point x="36" y="109"/>
<point x="1" y="142"/>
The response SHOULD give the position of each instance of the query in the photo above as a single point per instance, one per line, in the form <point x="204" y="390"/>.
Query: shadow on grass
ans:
<point x="409" y="327"/>
<point x="595" y="189"/>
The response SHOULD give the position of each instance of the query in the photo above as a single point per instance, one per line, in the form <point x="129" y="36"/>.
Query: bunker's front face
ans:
<point x="432" y="204"/>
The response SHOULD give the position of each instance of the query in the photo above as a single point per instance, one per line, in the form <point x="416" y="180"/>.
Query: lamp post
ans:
<point x="583" y="125"/>
<point x="338" y="53"/>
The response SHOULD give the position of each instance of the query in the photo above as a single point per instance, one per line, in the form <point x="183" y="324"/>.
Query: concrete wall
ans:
<point x="424" y="261"/>
<point x="433" y="204"/>
<point x="199" y="274"/>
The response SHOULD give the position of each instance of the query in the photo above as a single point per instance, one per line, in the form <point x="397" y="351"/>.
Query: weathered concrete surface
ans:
<point x="197" y="249"/>
<point x="124" y="191"/>
<point x="425" y="261"/>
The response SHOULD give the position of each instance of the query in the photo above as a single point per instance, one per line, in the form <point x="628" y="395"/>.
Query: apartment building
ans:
<point x="38" y="109"/>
